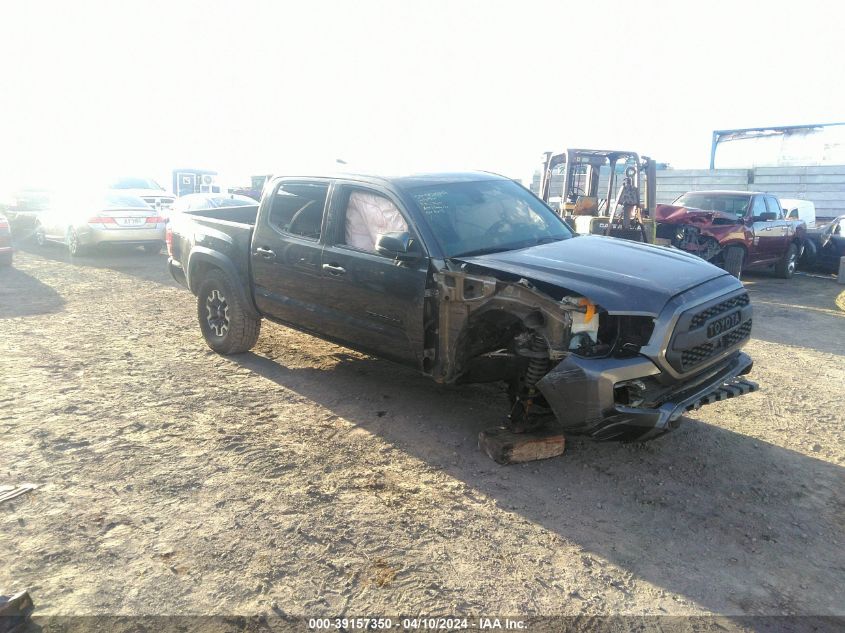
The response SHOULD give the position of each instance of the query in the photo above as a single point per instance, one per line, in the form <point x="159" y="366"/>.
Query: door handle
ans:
<point x="266" y="253"/>
<point x="334" y="269"/>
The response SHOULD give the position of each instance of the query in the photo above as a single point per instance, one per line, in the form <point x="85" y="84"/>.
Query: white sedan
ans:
<point x="110" y="218"/>
<point x="198" y="201"/>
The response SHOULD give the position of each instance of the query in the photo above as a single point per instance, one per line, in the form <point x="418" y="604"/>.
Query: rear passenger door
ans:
<point x="372" y="302"/>
<point x="286" y="252"/>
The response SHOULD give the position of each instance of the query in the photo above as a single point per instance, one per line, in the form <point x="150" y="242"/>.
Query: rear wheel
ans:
<point x="226" y="326"/>
<point x="152" y="249"/>
<point x="785" y="268"/>
<point x="40" y="235"/>
<point x="732" y="260"/>
<point x="74" y="247"/>
<point x="810" y="254"/>
<point x="5" y="259"/>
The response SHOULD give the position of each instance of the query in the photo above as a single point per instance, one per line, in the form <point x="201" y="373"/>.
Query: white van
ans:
<point x="795" y="209"/>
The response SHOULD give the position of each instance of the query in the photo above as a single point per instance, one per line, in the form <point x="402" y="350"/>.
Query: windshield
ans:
<point x="472" y="218"/>
<point x="135" y="183"/>
<point x="735" y="204"/>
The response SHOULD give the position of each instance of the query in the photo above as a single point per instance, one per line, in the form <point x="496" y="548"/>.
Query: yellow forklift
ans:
<point x="627" y="208"/>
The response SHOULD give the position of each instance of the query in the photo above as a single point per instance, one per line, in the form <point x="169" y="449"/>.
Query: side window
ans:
<point x="774" y="207"/>
<point x="793" y="215"/>
<point x="366" y="215"/>
<point x="297" y="208"/>
<point x="758" y="207"/>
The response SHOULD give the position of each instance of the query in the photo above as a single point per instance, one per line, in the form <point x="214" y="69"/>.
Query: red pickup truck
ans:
<point x="736" y="230"/>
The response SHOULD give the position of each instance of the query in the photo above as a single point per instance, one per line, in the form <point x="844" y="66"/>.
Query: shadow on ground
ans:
<point x="40" y="298"/>
<point x="752" y="525"/>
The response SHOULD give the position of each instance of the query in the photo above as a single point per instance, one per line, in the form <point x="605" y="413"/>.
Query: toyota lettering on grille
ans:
<point x="720" y="326"/>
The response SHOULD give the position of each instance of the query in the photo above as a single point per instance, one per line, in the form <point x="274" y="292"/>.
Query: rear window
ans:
<point x="122" y="201"/>
<point x="135" y="183"/>
<point x="298" y="209"/>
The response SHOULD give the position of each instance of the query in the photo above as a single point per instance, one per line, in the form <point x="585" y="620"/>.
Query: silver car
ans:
<point x="110" y="218"/>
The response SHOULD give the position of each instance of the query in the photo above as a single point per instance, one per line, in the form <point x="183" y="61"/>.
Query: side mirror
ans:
<point x="396" y="245"/>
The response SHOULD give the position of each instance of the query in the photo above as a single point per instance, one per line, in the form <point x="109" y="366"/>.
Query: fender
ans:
<point x="202" y="255"/>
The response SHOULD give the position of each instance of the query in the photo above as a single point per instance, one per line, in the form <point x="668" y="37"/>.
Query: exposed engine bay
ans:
<point x="689" y="238"/>
<point x="517" y="331"/>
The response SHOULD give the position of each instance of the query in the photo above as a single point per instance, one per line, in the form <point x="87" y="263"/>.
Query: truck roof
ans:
<point x="408" y="181"/>
<point x="729" y="192"/>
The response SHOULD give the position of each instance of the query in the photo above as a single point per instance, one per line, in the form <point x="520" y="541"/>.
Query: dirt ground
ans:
<point x="306" y="479"/>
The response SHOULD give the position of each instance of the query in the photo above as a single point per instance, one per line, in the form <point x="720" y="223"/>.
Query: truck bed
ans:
<point x="219" y="236"/>
<point x="240" y="215"/>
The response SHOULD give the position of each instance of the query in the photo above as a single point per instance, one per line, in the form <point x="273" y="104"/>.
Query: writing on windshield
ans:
<point x="487" y="216"/>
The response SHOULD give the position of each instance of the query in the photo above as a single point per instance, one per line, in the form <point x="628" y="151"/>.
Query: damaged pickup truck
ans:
<point x="736" y="230"/>
<point x="468" y="277"/>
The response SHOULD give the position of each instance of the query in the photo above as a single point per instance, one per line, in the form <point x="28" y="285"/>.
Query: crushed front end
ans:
<point x="610" y="376"/>
<point x="692" y="359"/>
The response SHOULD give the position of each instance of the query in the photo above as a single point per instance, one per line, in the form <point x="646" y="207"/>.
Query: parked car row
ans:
<point x="133" y="213"/>
<point x="736" y="230"/>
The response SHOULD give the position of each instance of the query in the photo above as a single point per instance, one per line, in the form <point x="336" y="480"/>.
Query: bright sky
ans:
<point x="249" y="87"/>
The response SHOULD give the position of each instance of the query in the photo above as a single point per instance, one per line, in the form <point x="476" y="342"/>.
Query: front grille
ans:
<point x="697" y="355"/>
<point x="740" y="301"/>
<point x="708" y="331"/>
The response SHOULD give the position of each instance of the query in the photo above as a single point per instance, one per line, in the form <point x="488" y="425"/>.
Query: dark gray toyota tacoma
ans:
<point x="468" y="277"/>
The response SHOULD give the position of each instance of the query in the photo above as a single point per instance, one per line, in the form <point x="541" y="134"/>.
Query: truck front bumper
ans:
<point x="583" y="393"/>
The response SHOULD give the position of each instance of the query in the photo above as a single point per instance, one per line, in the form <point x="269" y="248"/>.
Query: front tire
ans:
<point x="785" y="268"/>
<point x="225" y="324"/>
<point x="733" y="259"/>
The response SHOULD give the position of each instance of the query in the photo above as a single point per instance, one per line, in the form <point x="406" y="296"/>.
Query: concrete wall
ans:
<point x="823" y="185"/>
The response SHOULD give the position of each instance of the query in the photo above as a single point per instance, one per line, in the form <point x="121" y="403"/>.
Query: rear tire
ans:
<point x="224" y="322"/>
<point x="152" y="249"/>
<point x="73" y="246"/>
<point x="40" y="236"/>
<point x="785" y="268"/>
<point x="6" y="259"/>
<point x="732" y="260"/>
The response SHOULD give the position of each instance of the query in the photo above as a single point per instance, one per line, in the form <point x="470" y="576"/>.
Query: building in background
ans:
<point x="187" y="181"/>
<point x="782" y="146"/>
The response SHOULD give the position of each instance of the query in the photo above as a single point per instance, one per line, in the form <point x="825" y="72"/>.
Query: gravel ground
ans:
<point x="307" y="479"/>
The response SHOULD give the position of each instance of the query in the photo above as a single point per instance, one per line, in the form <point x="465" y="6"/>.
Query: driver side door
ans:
<point x="373" y="303"/>
<point x="767" y="239"/>
<point x="835" y="247"/>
